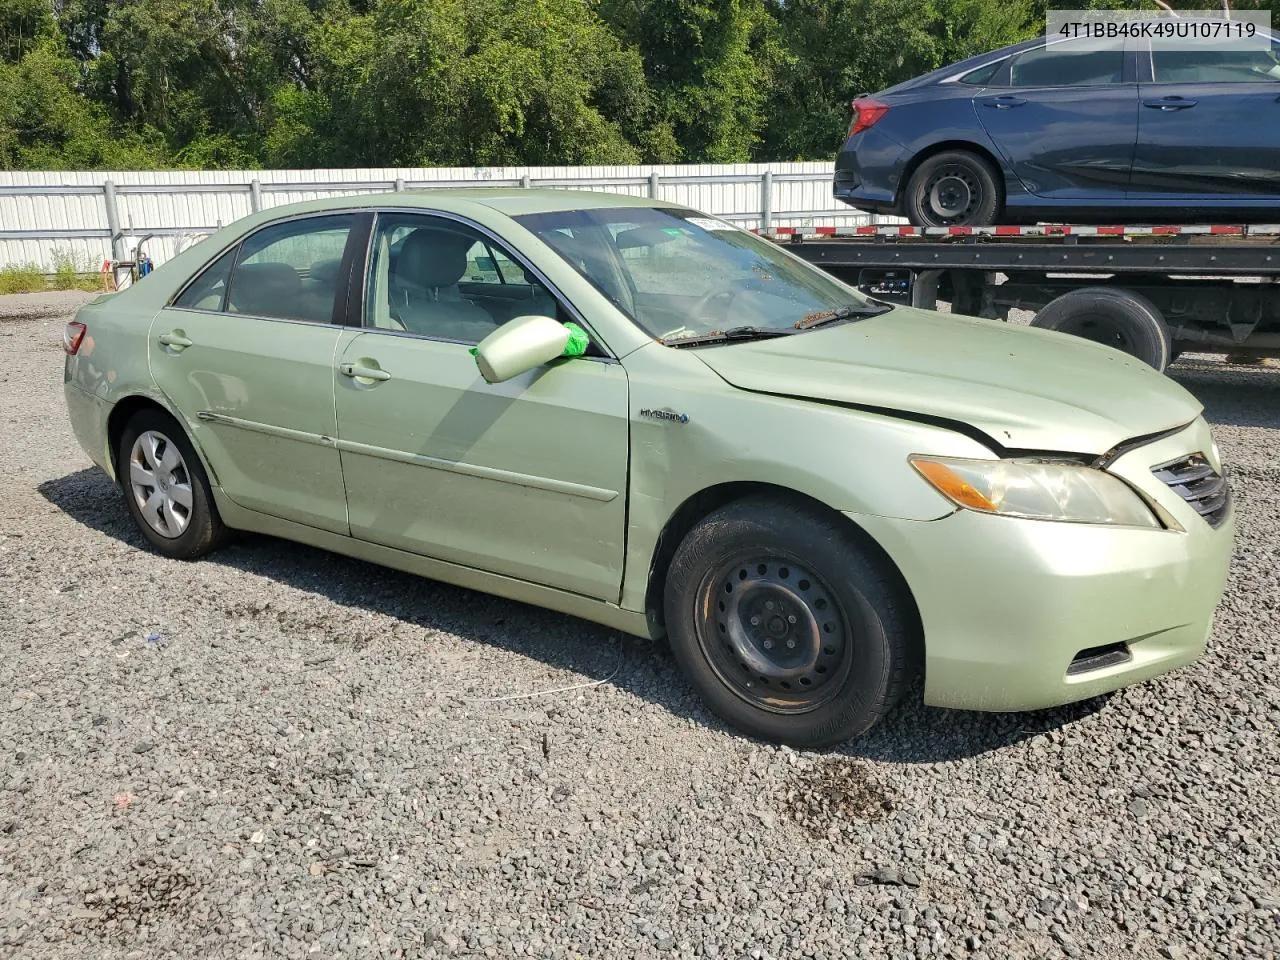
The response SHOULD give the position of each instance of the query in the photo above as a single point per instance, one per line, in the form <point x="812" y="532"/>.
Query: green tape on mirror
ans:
<point x="578" y="341"/>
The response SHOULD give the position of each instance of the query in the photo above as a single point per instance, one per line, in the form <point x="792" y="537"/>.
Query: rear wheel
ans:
<point x="1121" y="319"/>
<point x="166" y="488"/>
<point x="787" y="625"/>
<point x="954" y="188"/>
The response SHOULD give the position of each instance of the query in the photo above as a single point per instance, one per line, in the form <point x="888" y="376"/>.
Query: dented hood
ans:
<point x="1027" y="389"/>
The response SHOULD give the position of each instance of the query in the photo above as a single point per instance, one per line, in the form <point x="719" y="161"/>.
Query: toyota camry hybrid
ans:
<point x="640" y="415"/>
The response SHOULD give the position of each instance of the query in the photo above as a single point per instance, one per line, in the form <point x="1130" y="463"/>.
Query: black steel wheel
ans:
<point x="789" y="623"/>
<point x="953" y="189"/>
<point x="774" y="633"/>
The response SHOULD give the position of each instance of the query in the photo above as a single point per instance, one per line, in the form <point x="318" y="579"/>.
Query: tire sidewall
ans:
<point x="1140" y="318"/>
<point x="916" y="202"/>
<point x="204" y="527"/>
<point x="865" y="689"/>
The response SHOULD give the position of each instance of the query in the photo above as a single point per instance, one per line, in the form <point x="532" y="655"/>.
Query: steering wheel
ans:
<point x="703" y="306"/>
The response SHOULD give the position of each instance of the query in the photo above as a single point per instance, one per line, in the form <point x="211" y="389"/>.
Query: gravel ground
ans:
<point x="278" y="752"/>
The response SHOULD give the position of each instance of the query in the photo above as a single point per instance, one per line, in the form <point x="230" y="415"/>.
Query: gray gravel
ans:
<point x="278" y="752"/>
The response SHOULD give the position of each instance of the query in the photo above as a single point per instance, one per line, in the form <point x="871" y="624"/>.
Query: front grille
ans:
<point x="1193" y="479"/>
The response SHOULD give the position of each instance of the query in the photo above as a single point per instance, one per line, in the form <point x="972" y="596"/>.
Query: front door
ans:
<point x="1209" y="124"/>
<point x="245" y="355"/>
<point x="525" y="478"/>
<point x="1065" y="118"/>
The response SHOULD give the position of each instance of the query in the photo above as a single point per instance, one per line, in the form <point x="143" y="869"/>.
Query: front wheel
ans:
<point x="787" y="624"/>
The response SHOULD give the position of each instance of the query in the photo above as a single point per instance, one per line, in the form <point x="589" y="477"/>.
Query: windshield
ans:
<point x="680" y="274"/>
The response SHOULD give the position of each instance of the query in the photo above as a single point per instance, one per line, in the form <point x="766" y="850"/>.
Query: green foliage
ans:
<point x="22" y="278"/>
<point x="329" y="83"/>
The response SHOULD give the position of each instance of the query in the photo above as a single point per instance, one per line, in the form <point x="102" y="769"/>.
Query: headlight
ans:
<point x="1037" y="489"/>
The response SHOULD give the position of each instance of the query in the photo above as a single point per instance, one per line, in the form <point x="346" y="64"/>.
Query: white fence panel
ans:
<point x="48" y="216"/>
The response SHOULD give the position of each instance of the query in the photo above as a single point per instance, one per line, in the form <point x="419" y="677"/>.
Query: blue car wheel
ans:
<point x="953" y="189"/>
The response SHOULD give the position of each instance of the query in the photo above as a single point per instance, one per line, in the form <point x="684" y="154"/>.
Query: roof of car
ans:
<point x="510" y="201"/>
<point x="514" y="201"/>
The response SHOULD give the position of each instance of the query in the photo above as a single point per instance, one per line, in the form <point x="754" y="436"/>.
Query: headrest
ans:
<point x="325" y="271"/>
<point x="269" y="289"/>
<point x="433" y="258"/>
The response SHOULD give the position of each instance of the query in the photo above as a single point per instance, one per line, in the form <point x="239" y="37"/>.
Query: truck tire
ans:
<point x="954" y="188"/>
<point x="1122" y="319"/>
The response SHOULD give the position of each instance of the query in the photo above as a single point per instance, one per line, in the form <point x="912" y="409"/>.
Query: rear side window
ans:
<point x="291" y="270"/>
<point x="1211" y="64"/>
<point x="208" y="290"/>
<point x="982" y="75"/>
<point x="1070" y="65"/>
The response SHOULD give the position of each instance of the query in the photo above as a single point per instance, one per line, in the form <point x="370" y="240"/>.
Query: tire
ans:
<point x="854" y="633"/>
<point x="1116" y="318"/>
<point x="954" y="188"/>
<point x="186" y="525"/>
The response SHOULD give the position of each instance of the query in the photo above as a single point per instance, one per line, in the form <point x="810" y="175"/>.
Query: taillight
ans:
<point x="866" y="113"/>
<point x="73" y="336"/>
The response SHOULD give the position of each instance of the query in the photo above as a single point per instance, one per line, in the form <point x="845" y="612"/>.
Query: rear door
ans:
<point x="1065" y="118"/>
<point x="1209" y="125"/>
<point x="245" y="355"/>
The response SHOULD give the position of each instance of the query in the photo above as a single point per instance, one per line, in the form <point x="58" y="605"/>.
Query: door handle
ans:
<point x="176" y="339"/>
<point x="1003" y="103"/>
<point x="1170" y="103"/>
<point x="361" y="372"/>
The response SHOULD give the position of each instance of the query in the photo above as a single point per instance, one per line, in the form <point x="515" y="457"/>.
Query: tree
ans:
<point x="467" y="82"/>
<point x="840" y="49"/>
<point x="710" y="65"/>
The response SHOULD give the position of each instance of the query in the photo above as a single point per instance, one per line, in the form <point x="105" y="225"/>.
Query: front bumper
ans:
<point x="1008" y="604"/>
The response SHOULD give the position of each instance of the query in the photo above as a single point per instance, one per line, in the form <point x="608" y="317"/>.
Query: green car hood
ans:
<point x="1025" y="388"/>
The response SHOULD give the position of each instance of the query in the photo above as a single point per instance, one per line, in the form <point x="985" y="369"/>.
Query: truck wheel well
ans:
<point x="704" y="502"/>
<point x="935" y="148"/>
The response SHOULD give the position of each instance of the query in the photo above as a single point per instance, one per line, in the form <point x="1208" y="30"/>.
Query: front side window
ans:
<point x="438" y="278"/>
<point x="677" y="273"/>
<point x="1070" y="64"/>
<point x="291" y="270"/>
<point x="1211" y="63"/>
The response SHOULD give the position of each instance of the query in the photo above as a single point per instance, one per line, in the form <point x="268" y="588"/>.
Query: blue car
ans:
<point x="1076" y="131"/>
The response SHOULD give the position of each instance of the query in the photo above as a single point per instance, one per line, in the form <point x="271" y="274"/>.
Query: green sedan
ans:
<point x="643" y="416"/>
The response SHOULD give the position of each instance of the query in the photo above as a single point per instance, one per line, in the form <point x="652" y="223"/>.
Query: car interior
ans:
<point x="447" y="283"/>
<point x="273" y="289"/>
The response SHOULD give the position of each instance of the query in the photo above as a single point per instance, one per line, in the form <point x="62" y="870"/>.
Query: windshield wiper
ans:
<point x="732" y="333"/>
<point x="823" y="317"/>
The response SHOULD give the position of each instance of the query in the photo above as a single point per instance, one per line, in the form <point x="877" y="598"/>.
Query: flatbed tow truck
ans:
<point x="1152" y="291"/>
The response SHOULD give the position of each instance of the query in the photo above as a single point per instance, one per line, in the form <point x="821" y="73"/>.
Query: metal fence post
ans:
<point x="255" y="195"/>
<point x="113" y="219"/>
<point x="525" y="182"/>
<point x="766" y="201"/>
<point x="653" y="185"/>
<point x="399" y="187"/>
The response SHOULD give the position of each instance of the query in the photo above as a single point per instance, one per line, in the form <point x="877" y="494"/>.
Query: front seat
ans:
<point x="424" y="288"/>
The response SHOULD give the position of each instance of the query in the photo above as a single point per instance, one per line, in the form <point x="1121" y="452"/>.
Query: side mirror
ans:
<point x="519" y="345"/>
